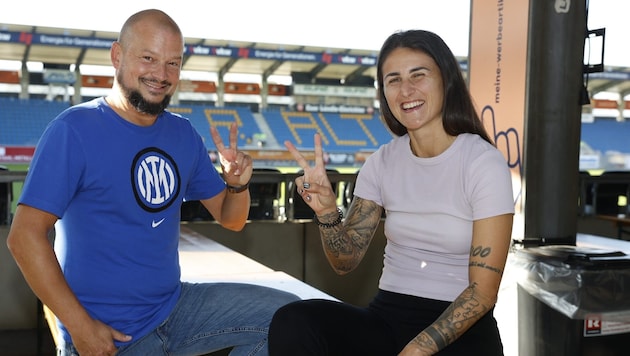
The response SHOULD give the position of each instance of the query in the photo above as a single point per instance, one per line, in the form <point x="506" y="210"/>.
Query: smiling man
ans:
<point x="109" y="177"/>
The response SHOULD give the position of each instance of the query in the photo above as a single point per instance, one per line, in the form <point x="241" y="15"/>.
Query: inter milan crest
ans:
<point x="155" y="179"/>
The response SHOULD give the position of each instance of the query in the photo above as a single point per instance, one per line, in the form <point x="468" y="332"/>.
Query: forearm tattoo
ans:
<point x="466" y="310"/>
<point x="469" y="307"/>
<point x="346" y="244"/>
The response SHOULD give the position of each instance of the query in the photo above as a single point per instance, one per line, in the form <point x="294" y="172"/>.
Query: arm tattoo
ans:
<point x="346" y="244"/>
<point x="482" y="252"/>
<point x="466" y="310"/>
<point x="483" y="265"/>
<point x="426" y="341"/>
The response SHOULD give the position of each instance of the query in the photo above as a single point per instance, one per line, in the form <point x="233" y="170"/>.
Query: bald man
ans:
<point x="109" y="177"/>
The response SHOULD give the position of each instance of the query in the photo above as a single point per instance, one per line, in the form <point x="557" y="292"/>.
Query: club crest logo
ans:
<point x="155" y="179"/>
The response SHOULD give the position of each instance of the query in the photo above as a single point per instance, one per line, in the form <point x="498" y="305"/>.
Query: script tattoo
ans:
<point x="483" y="265"/>
<point x="346" y="244"/>
<point x="482" y="252"/>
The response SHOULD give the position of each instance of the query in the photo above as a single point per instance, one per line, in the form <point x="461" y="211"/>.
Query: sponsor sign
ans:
<point x="329" y="90"/>
<point x="594" y="326"/>
<point x="59" y="76"/>
<point x="497" y="76"/>
<point x="16" y="154"/>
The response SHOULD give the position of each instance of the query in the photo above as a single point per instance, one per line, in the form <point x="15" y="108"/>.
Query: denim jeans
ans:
<point x="209" y="317"/>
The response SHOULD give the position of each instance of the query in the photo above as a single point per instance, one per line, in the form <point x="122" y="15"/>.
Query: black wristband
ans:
<point x="233" y="189"/>
<point x="332" y="224"/>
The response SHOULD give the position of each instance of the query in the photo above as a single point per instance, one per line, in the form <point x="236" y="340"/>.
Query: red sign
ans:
<point x="16" y="154"/>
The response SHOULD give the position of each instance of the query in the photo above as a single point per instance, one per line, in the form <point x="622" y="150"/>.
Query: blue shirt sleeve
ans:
<point x="55" y="171"/>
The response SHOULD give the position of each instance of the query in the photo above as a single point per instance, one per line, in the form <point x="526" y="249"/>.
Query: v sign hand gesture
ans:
<point x="314" y="186"/>
<point x="237" y="166"/>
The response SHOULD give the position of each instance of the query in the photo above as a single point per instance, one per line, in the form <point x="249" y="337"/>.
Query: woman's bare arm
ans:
<point x="488" y="254"/>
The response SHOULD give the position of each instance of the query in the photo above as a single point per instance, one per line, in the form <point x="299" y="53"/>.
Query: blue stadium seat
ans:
<point x="22" y="121"/>
<point x="202" y="116"/>
<point x="344" y="133"/>
<point x="607" y="134"/>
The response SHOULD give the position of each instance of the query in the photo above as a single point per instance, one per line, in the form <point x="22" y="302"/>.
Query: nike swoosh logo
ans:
<point x="155" y="224"/>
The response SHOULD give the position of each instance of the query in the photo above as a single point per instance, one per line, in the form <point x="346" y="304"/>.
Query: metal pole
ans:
<point x="553" y="120"/>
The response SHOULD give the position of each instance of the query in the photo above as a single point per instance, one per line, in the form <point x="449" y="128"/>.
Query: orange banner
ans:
<point x="605" y="104"/>
<point x="278" y="90"/>
<point x="97" y="81"/>
<point x="197" y="86"/>
<point x="242" y="88"/>
<point x="497" y="76"/>
<point x="204" y="87"/>
<point x="9" y="77"/>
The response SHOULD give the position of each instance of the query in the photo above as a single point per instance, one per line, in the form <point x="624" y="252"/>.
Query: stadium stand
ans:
<point x="340" y="132"/>
<point x="607" y="134"/>
<point x="22" y="121"/>
<point x="202" y="117"/>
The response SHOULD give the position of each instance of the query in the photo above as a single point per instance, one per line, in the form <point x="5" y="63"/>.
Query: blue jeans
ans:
<point x="210" y="317"/>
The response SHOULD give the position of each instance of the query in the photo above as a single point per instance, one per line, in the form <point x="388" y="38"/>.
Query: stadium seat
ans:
<point x="193" y="210"/>
<point x="607" y="193"/>
<point x="265" y="193"/>
<point x="6" y="198"/>
<point x="297" y="209"/>
<point x="22" y="121"/>
<point x="585" y="201"/>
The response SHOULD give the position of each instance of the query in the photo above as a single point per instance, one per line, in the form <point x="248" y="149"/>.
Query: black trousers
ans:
<point x="320" y="327"/>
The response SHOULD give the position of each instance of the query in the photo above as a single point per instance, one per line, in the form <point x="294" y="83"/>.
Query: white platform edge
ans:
<point x="204" y="260"/>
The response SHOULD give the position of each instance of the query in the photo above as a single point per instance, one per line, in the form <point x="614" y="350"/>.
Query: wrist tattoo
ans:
<point x="438" y="339"/>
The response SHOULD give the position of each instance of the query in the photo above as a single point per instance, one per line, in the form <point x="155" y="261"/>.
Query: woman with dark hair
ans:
<point x="459" y="114"/>
<point x="448" y="198"/>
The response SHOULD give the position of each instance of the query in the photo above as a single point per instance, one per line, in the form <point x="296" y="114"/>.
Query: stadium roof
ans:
<point x="65" y="47"/>
<point x="56" y="46"/>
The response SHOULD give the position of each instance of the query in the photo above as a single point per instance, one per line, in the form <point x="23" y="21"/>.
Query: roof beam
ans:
<point x="356" y="73"/>
<point x="187" y="56"/>
<point x="81" y="56"/>
<point x="320" y="67"/>
<point x="27" y="50"/>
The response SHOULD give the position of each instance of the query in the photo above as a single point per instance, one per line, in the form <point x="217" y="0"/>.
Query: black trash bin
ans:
<point x="573" y="301"/>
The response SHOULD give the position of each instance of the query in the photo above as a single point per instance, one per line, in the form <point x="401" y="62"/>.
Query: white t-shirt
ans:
<point x="431" y="204"/>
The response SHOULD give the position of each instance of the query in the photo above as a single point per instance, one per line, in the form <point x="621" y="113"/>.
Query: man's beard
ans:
<point x="141" y="104"/>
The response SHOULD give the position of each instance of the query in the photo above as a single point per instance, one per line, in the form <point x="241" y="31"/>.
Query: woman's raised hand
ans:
<point x="314" y="186"/>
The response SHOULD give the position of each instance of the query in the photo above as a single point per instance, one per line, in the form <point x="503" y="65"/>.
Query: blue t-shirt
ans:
<point x="117" y="189"/>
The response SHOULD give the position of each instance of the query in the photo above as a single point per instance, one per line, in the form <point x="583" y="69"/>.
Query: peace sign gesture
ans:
<point x="314" y="186"/>
<point x="237" y="166"/>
